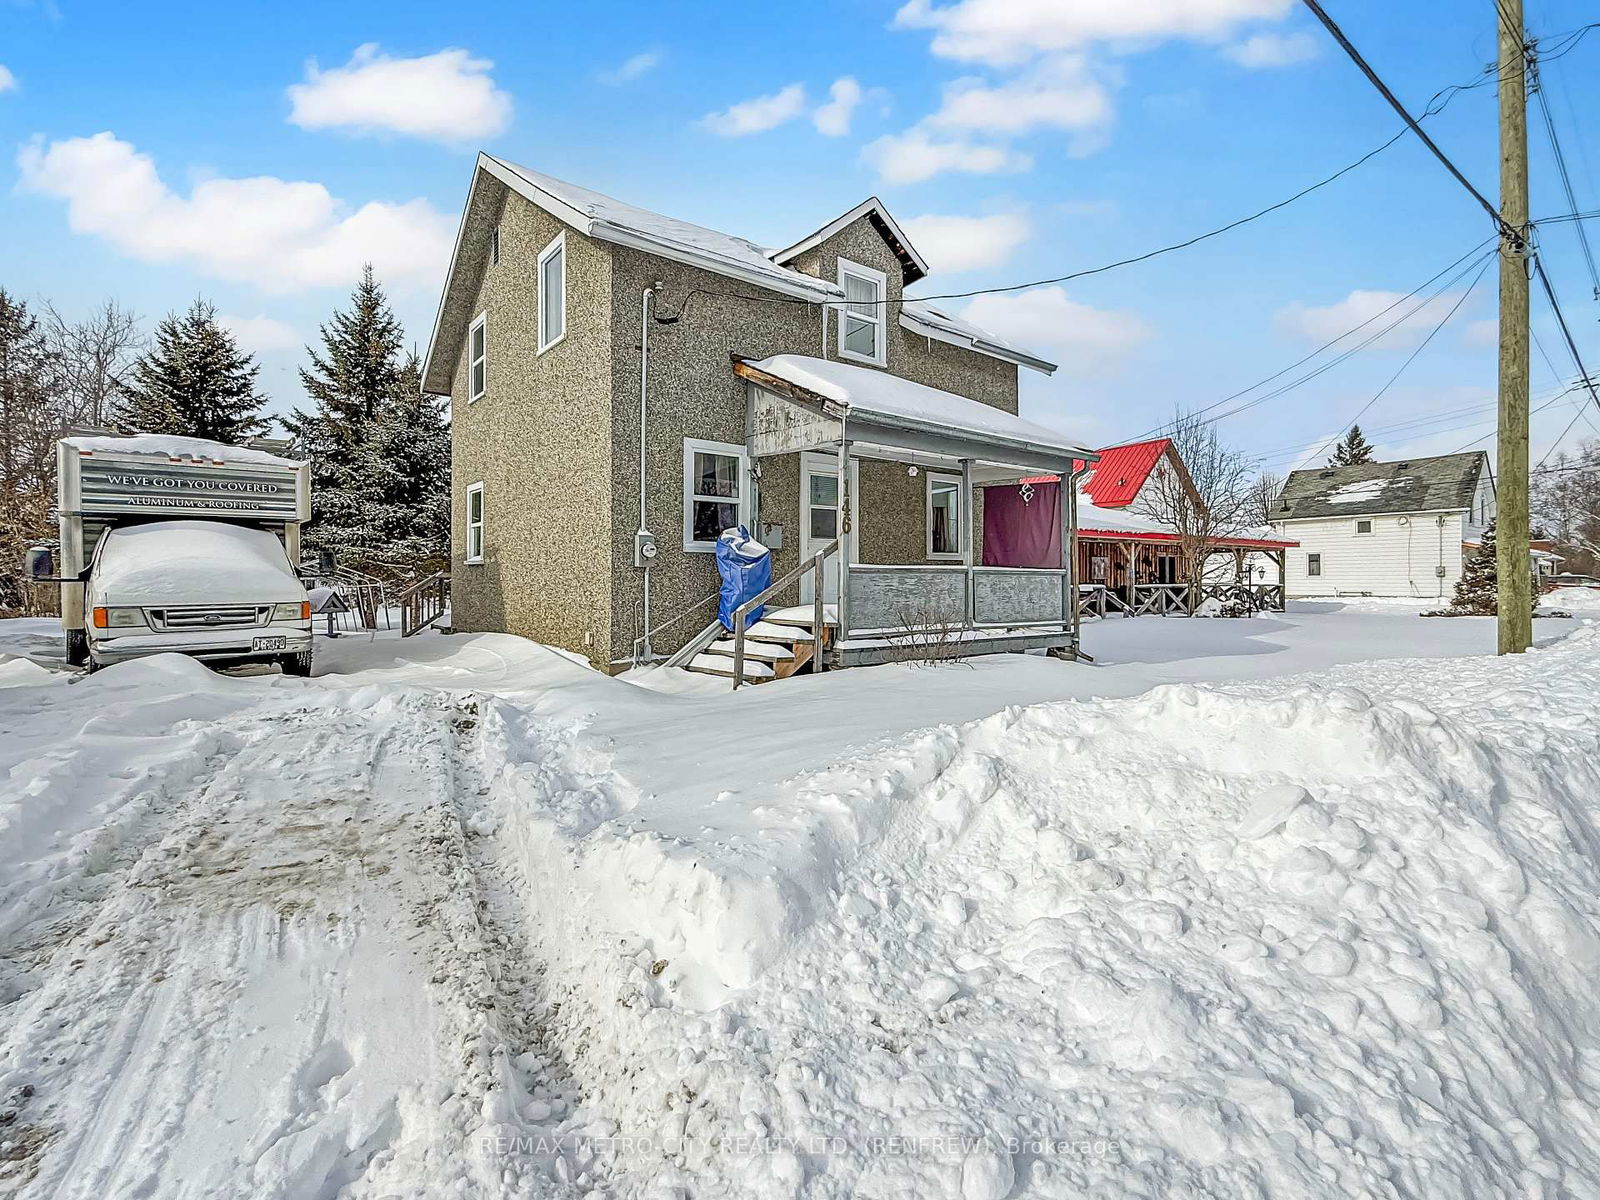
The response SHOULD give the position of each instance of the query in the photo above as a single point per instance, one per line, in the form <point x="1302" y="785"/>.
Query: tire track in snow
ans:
<point x="288" y="992"/>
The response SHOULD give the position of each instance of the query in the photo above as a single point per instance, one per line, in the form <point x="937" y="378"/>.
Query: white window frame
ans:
<point x="958" y="554"/>
<point x="741" y="501"/>
<point x="558" y="245"/>
<point x="1367" y="532"/>
<point x="880" y="319"/>
<point x="475" y="489"/>
<point x="481" y="323"/>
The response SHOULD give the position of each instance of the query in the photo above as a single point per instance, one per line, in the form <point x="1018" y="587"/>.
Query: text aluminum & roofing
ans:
<point x="130" y="484"/>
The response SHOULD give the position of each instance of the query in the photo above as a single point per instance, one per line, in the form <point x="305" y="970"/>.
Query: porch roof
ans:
<point x="888" y="410"/>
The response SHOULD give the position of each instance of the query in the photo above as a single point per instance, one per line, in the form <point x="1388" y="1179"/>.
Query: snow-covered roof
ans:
<point x="1116" y="520"/>
<point x="611" y="220"/>
<point x="1445" y="483"/>
<point x="872" y="208"/>
<point x="910" y="405"/>
<point x="169" y="446"/>
<point x="923" y="318"/>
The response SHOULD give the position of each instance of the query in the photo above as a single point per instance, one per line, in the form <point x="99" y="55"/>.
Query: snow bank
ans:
<point x="193" y="562"/>
<point x="1281" y="939"/>
<point x="1580" y="600"/>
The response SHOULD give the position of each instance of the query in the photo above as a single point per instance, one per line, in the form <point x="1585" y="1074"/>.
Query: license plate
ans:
<point x="270" y="643"/>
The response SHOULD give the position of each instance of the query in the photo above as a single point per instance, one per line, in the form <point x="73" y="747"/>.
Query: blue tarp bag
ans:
<point x="746" y="569"/>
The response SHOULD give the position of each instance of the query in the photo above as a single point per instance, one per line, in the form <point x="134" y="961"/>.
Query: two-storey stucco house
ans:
<point x="1385" y="528"/>
<point x="624" y="386"/>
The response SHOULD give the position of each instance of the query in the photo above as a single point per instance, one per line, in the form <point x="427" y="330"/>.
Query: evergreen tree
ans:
<point x="379" y="448"/>
<point x="1352" y="450"/>
<point x="1477" y="592"/>
<point x="358" y="369"/>
<point x="194" y="381"/>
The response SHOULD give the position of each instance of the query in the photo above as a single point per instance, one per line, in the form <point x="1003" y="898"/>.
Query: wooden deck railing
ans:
<point x="423" y="603"/>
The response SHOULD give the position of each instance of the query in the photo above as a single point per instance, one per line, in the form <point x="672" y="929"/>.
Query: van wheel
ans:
<point x="77" y="647"/>
<point x="297" y="664"/>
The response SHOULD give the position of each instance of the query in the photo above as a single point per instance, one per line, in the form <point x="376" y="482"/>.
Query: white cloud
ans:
<point x="445" y="97"/>
<point x="1085" y="340"/>
<point x="277" y="234"/>
<point x="626" y="72"/>
<point x="758" y="115"/>
<point x="8" y="81"/>
<point x="1059" y="93"/>
<point x="1005" y="32"/>
<point x="834" y="117"/>
<point x="1274" y="50"/>
<point x="1482" y="333"/>
<point x="259" y="334"/>
<point x="952" y="244"/>
<point x="913" y="156"/>
<point x="1370" y="310"/>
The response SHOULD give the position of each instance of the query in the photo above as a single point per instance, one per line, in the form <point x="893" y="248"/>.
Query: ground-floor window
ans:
<point x="475" y="523"/>
<point x="944" y="516"/>
<point x="1166" y="568"/>
<point x="1313" y="564"/>
<point x="1097" y="568"/>
<point x="713" y="491"/>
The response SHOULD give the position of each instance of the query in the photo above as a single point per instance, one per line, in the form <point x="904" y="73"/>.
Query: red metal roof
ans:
<point x="1114" y="481"/>
<point x="1121" y="471"/>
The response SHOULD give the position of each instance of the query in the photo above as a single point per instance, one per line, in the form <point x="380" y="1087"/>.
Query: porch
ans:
<point x="836" y="418"/>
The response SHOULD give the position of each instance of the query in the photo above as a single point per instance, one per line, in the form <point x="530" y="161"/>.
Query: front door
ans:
<point x="819" y="519"/>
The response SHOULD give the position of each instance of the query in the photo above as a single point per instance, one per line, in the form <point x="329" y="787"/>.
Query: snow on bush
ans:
<point x="1280" y="939"/>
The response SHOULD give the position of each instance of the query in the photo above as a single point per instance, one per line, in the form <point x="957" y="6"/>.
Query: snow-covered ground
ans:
<point x="461" y="917"/>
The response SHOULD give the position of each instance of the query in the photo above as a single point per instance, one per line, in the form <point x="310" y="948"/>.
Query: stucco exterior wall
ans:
<point x="540" y="442"/>
<point x="694" y="394"/>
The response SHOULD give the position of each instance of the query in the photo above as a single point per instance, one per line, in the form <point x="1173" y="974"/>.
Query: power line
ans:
<point x="1410" y="358"/>
<point x="1411" y="122"/>
<point x="1566" y="333"/>
<point x="1561" y="170"/>
<point x="1472" y="254"/>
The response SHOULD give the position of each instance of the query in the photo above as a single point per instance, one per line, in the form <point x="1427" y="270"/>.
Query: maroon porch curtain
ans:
<point x="1022" y="533"/>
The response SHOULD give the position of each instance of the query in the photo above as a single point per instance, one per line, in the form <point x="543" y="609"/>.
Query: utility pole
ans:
<point x="1515" y="578"/>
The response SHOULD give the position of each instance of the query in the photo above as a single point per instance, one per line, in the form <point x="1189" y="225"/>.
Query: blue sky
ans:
<point x="256" y="154"/>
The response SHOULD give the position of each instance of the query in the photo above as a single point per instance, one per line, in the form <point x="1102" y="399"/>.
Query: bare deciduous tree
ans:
<point x="94" y="355"/>
<point x="1264" y="490"/>
<point x="1213" y="499"/>
<point x="31" y="419"/>
<point x="1566" y="503"/>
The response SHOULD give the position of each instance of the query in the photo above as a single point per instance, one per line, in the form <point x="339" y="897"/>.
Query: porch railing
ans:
<point x="816" y="565"/>
<point x="887" y="599"/>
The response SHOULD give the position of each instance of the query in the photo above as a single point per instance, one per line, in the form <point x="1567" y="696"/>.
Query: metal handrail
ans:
<point x="815" y="565"/>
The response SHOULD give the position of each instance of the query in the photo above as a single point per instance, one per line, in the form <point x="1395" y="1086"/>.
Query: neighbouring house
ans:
<point x="1385" y="528"/>
<point x="1128" y="561"/>
<point x="625" y="386"/>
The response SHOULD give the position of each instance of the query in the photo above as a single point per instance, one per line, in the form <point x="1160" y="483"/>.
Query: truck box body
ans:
<point x="195" y="522"/>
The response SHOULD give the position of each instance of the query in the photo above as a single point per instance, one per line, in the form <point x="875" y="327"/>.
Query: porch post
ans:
<point x="1068" y="495"/>
<point x="969" y="538"/>
<point x="846" y="524"/>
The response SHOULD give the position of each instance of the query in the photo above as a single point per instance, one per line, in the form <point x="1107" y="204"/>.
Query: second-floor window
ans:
<point x="862" y="318"/>
<point x="478" y="358"/>
<point x="553" y="293"/>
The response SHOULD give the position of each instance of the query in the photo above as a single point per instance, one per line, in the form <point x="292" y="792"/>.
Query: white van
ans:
<point x="181" y="545"/>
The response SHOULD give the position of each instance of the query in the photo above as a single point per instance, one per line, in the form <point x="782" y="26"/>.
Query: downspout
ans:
<point x="644" y="543"/>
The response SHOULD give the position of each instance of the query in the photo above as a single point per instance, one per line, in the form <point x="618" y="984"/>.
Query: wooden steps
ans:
<point x="775" y="647"/>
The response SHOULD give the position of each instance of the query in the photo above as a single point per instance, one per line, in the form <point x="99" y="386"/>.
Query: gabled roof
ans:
<point x="912" y="263"/>
<point x="624" y="224"/>
<point x="1442" y="484"/>
<point x="610" y="220"/>
<point x="1122" y="470"/>
<point x="924" y="319"/>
